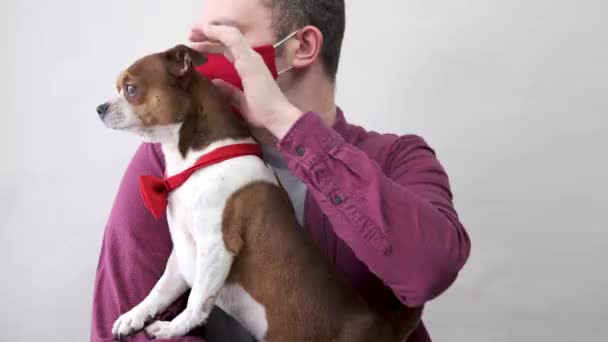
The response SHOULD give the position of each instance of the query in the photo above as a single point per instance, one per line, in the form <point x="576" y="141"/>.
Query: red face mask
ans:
<point x="218" y="66"/>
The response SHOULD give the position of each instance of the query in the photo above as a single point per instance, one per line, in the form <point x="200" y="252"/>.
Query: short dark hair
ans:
<point x="326" y="15"/>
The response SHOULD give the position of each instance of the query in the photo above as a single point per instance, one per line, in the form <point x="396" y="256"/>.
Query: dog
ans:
<point x="236" y="240"/>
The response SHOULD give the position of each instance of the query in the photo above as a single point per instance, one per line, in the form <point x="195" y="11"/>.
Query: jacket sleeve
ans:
<point x="134" y="252"/>
<point x="399" y="221"/>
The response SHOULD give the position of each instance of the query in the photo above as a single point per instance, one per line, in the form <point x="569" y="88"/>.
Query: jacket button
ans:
<point x="300" y="151"/>
<point x="338" y="200"/>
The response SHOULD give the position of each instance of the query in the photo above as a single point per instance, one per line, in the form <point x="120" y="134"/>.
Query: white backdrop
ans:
<point x="511" y="93"/>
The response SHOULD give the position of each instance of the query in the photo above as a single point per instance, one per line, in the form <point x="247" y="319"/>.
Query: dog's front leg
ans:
<point x="213" y="262"/>
<point x="169" y="287"/>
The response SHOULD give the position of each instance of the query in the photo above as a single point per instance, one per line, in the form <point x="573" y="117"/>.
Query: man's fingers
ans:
<point x="208" y="47"/>
<point x="247" y="62"/>
<point x="230" y="92"/>
<point x="197" y="36"/>
<point x="231" y="38"/>
<point x="233" y="95"/>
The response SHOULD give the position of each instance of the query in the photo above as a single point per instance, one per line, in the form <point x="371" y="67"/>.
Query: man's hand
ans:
<point x="261" y="103"/>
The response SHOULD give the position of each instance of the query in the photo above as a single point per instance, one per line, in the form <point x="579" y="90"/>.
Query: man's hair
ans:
<point x="326" y="15"/>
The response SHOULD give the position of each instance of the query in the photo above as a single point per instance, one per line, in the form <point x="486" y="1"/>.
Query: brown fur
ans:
<point x="169" y="90"/>
<point x="281" y="268"/>
<point x="212" y="120"/>
<point x="275" y="262"/>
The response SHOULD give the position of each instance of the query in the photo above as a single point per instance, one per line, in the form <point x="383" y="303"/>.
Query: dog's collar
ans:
<point x="155" y="190"/>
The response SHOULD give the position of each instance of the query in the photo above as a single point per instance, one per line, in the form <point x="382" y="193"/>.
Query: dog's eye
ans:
<point x="131" y="90"/>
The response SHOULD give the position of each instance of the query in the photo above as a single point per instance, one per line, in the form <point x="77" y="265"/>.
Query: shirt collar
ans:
<point x="273" y="157"/>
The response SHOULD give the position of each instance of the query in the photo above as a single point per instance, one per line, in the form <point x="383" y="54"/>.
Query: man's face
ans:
<point x="252" y="17"/>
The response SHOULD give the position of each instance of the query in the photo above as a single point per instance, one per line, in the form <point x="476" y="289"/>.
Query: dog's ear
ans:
<point x="181" y="60"/>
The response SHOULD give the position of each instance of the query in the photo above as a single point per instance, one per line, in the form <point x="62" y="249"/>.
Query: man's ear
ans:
<point x="181" y="60"/>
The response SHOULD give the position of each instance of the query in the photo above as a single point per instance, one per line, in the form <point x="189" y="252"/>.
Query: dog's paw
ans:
<point x="163" y="329"/>
<point x="129" y="323"/>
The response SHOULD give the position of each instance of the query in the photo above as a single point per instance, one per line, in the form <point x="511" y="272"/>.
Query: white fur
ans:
<point x="237" y="302"/>
<point x="120" y="115"/>
<point x="199" y="259"/>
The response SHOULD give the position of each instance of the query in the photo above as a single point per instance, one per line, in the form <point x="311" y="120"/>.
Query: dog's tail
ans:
<point x="404" y="321"/>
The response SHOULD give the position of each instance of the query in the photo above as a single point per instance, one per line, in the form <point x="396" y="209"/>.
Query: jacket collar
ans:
<point x="340" y="125"/>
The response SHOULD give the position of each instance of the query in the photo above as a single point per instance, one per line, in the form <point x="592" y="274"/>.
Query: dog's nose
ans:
<point x="102" y="109"/>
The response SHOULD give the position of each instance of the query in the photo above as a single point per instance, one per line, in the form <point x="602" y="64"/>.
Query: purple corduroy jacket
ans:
<point x="378" y="205"/>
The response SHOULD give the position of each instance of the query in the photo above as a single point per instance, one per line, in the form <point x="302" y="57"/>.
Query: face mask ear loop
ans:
<point x="282" y="41"/>
<point x="284" y="71"/>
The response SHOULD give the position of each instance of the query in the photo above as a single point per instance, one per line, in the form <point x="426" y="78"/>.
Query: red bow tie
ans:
<point x="155" y="191"/>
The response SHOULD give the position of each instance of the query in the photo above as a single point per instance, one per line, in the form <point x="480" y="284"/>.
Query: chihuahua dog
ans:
<point x="236" y="241"/>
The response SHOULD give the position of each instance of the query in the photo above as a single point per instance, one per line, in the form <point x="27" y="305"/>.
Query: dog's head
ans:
<point x="153" y="92"/>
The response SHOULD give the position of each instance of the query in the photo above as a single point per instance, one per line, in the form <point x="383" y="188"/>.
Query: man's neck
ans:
<point x="314" y="92"/>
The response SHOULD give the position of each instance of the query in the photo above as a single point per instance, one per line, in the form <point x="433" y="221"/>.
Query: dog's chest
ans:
<point x="196" y="209"/>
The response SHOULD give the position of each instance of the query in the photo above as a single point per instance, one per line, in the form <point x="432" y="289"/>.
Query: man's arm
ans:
<point x="134" y="252"/>
<point x="401" y="224"/>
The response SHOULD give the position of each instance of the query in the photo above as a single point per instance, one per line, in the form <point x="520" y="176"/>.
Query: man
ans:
<point x="379" y="206"/>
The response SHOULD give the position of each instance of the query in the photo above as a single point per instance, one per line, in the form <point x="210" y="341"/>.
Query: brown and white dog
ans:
<point x="236" y="239"/>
